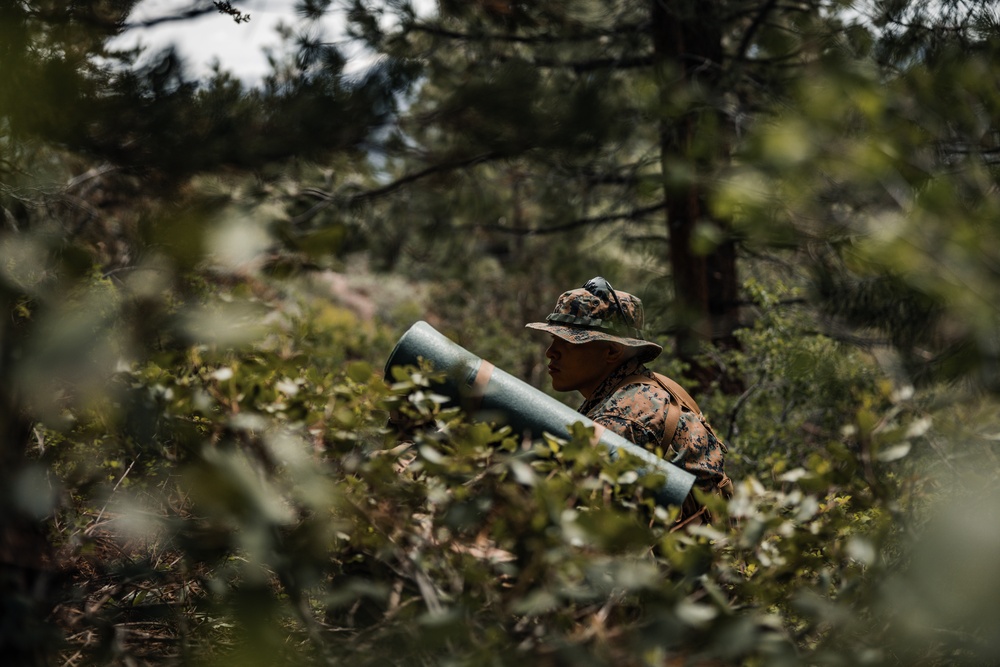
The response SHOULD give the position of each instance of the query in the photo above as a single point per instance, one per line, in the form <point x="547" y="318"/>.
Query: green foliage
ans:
<point x="888" y="178"/>
<point x="803" y="388"/>
<point x="311" y="510"/>
<point x="202" y="464"/>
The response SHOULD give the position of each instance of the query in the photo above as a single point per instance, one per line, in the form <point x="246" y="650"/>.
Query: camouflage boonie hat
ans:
<point x="598" y="312"/>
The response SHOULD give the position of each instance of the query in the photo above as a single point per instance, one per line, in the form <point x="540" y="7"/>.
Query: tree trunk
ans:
<point x="26" y="554"/>
<point x="687" y="40"/>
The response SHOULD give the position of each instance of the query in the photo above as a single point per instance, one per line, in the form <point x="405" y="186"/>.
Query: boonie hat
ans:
<point x="598" y="312"/>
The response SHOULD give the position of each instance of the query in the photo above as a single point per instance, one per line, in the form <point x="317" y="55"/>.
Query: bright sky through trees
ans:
<point x="240" y="48"/>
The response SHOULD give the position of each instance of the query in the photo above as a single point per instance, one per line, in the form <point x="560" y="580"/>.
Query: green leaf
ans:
<point x="536" y="602"/>
<point x="359" y="371"/>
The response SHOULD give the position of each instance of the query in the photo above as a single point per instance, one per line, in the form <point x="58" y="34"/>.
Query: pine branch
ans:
<point x="839" y="334"/>
<point x="751" y="32"/>
<point x="634" y="214"/>
<point x="193" y="12"/>
<point x="545" y="38"/>
<point x="628" y="180"/>
<point x="424" y="173"/>
<point x="328" y="198"/>
<point x="645" y="239"/>
<point x="800" y="7"/>
<point x="633" y="62"/>
<point x="185" y="15"/>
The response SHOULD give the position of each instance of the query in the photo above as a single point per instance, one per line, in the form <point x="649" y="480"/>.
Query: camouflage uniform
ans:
<point x="637" y="412"/>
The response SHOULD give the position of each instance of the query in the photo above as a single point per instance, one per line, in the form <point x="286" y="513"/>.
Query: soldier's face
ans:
<point x="577" y="366"/>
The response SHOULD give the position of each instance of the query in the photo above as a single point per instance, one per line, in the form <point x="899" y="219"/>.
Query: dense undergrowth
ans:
<point x="272" y="499"/>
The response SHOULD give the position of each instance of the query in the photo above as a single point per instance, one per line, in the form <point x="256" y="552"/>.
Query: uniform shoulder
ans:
<point x="646" y="395"/>
<point x="647" y="382"/>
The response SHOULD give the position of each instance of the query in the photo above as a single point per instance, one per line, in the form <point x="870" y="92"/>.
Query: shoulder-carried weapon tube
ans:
<point x="497" y="396"/>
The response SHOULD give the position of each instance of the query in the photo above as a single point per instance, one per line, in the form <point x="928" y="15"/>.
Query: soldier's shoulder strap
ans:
<point x="679" y="399"/>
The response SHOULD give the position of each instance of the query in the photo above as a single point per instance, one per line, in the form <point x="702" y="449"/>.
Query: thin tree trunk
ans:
<point x="687" y="43"/>
<point x="26" y="553"/>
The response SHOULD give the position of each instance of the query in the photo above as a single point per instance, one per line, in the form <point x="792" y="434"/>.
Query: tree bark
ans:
<point x="687" y="41"/>
<point x="26" y="554"/>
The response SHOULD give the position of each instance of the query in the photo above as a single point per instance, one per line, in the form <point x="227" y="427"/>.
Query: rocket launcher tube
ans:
<point x="472" y="381"/>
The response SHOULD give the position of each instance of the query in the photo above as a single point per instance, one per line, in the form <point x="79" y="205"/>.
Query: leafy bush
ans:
<point x="287" y="506"/>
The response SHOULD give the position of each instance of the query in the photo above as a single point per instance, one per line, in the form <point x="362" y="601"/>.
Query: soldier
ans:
<point x="598" y="349"/>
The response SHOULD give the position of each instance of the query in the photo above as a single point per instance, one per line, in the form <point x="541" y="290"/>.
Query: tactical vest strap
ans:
<point x="679" y="399"/>
<point x="691" y="511"/>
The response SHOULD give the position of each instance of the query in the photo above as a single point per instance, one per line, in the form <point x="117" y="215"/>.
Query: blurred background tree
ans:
<point x="109" y="248"/>
<point x="601" y="128"/>
<point x="200" y="279"/>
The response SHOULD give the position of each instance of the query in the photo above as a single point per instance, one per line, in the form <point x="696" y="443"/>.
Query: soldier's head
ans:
<point x="594" y="330"/>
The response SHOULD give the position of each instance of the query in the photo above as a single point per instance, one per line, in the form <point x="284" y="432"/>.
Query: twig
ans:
<point x="101" y="513"/>
<point x="737" y="406"/>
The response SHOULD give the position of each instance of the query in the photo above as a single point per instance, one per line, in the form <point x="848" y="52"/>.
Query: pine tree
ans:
<point x="97" y="155"/>
<point x="590" y="124"/>
<point x="614" y="120"/>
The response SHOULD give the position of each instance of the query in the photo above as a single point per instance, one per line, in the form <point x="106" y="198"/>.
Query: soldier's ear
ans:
<point x="615" y="352"/>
